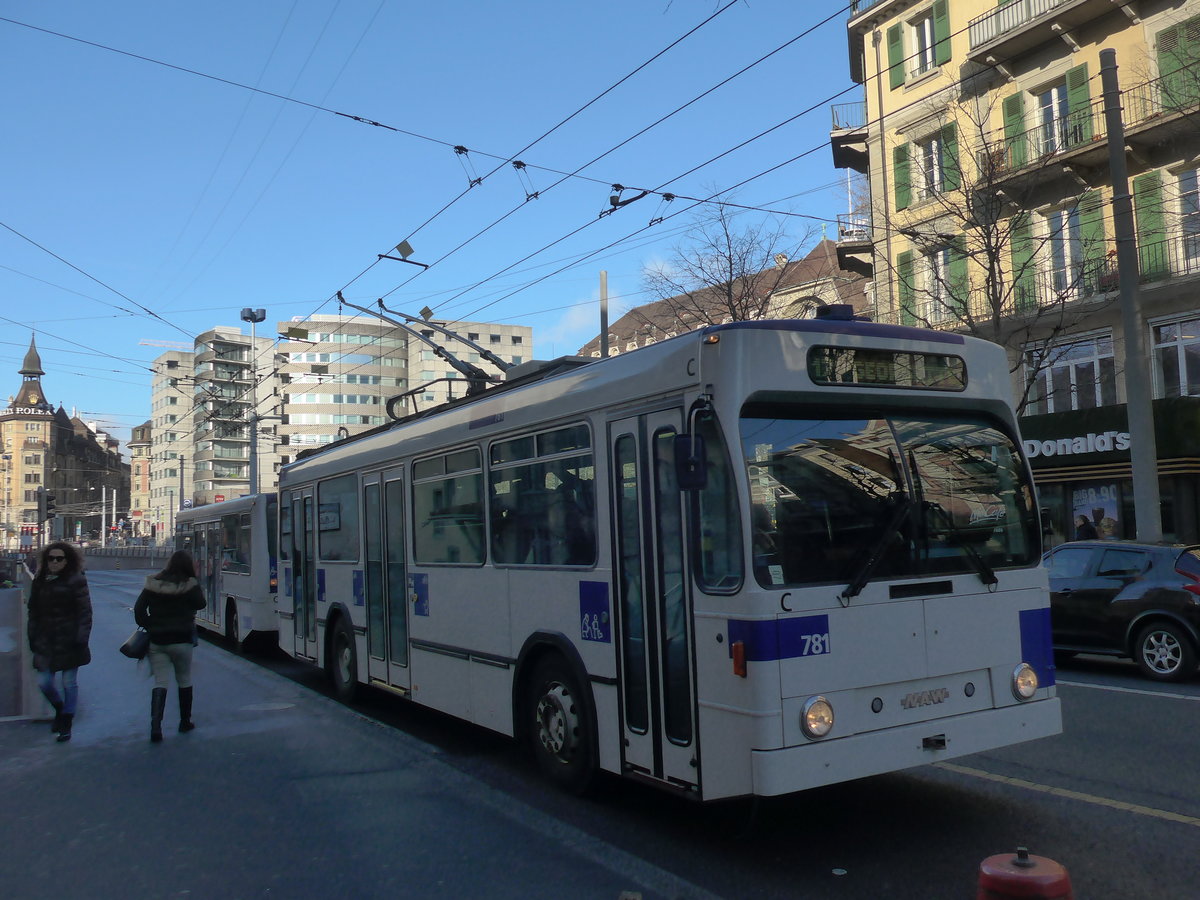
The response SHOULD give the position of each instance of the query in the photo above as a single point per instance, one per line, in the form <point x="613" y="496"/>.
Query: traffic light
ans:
<point x="48" y="506"/>
<point x="41" y="504"/>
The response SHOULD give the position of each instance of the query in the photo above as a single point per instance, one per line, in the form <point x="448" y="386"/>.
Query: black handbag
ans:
<point x="137" y="644"/>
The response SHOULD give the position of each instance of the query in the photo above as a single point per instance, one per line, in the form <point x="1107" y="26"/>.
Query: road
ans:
<point x="1115" y="798"/>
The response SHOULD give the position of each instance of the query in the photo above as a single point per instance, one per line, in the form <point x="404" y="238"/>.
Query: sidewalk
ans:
<point x="279" y="792"/>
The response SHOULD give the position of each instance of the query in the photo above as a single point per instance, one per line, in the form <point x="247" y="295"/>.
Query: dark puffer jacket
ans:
<point x="60" y="622"/>
<point x="167" y="609"/>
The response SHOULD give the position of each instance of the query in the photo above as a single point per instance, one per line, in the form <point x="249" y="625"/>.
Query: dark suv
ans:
<point x="1127" y="599"/>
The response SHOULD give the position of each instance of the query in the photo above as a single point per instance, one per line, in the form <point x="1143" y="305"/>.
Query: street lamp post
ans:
<point x="253" y="316"/>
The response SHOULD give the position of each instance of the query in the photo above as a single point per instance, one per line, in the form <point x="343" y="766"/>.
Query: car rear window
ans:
<point x="1189" y="562"/>
<point x="1117" y="563"/>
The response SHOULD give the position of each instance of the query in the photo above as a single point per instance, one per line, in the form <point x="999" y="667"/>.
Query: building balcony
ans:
<point x="848" y="136"/>
<point x="1021" y="25"/>
<point x="855" y="246"/>
<point x="1155" y="113"/>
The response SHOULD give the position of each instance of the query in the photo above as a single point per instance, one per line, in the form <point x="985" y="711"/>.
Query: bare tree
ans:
<point x="728" y="269"/>
<point x="978" y="262"/>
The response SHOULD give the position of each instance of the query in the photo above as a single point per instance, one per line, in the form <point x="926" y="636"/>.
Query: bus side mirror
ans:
<point x="691" y="467"/>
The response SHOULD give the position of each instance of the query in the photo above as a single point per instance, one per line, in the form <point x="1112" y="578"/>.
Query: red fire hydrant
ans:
<point x="1023" y="876"/>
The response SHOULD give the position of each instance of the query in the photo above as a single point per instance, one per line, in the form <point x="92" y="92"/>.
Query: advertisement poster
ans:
<point x="1095" y="508"/>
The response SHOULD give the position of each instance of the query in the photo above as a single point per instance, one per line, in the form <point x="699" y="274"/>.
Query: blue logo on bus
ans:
<point x="775" y="639"/>
<point x="595" y="623"/>
<point x="418" y="593"/>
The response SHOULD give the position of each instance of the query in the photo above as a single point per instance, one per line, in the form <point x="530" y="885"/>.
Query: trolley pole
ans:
<point x="1139" y="398"/>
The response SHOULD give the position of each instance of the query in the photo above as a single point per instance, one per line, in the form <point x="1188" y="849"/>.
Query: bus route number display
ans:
<point x="856" y="366"/>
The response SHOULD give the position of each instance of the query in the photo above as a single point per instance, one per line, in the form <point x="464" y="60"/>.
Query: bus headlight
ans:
<point x="817" y="718"/>
<point x="1024" y="682"/>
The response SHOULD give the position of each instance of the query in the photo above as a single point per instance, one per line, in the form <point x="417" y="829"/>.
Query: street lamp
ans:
<point x="253" y="316"/>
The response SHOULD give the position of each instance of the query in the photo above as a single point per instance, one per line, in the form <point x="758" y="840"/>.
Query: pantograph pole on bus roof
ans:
<point x="491" y="357"/>
<point x="477" y="379"/>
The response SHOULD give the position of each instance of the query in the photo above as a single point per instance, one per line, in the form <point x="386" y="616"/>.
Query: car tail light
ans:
<point x="1192" y="584"/>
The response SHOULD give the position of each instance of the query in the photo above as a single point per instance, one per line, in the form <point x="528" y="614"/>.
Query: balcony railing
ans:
<point x="857" y="7"/>
<point x="853" y="228"/>
<point x="1009" y="17"/>
<point x="1142" y="105"/>
<point x="849" y="116"/>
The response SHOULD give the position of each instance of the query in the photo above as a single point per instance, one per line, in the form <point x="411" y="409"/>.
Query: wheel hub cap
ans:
<point x="557" y="723"/>
<point x="1162" y="652"/>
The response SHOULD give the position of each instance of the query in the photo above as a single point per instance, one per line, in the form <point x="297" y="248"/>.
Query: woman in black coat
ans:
<point x="166" y="608"/>
<point x="60" y="623"/>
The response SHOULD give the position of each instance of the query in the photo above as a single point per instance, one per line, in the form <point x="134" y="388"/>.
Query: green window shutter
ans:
<point x="1091" y="236"/>
<point x="941" y="32"/>
<point x="951" y="174"/>
<point x="958" y="277"/>
<point x="1172" y="66"/>
<point x="895" y="51"/>
<point x="904" y="278"/>
<point x="1014" y="130"/>
<point x="1151" y="225"/>
<point x="1023" y="274"/>
<point x="901" y="176"/>
<point x="1079" y="106"/>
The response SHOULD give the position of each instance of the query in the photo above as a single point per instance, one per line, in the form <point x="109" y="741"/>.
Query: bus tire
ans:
<point x="231" y="623"/>
<point x="343" y="661"/>
<point x="559" y="727"/>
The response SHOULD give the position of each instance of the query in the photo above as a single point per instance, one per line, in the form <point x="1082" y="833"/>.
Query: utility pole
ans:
<point x="603" y="314"/>
<point x="103" y="514"/>
<point x="1139" y="397"/>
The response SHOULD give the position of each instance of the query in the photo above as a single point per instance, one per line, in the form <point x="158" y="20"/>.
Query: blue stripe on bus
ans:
<point x="1037" y="648"/>
<point x="777" y="639"/>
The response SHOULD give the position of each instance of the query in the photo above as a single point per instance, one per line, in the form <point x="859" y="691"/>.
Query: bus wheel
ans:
<point x="231" y="624"/>
<point x="343" y="661"/>
<point x="559" y="727"/>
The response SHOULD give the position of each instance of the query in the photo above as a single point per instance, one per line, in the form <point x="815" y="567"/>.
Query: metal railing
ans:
<point x="849" y="116"/>
<point x="857" y="7"/>
<point x="853" y="227"/>
<point x="1142" y="104"/>
<point x="1009" y="17"/>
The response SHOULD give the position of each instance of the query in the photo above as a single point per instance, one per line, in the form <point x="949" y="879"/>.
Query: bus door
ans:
<point x="656" y="636"/>
<point x="208" y="562"/>
<point x="304" y="572"/>
<point x="387" y="603"/>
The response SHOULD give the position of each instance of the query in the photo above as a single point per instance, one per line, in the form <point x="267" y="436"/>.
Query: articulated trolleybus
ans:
<point x="233" y="544"/>
<point x="749" y="560"/>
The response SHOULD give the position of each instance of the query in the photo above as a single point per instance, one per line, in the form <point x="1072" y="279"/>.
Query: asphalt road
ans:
<point x="296" y="796"/>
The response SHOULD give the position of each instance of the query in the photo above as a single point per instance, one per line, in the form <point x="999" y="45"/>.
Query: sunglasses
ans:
<point x="53" y="558"/>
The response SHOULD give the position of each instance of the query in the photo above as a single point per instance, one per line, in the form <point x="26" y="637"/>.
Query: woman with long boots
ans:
<point x="60" y="624"/>
<point x="166" y="608"/>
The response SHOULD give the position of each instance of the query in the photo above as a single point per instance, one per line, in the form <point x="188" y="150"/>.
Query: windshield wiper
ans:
<point x="986" y="575"/>
<point x="868" y="561"/>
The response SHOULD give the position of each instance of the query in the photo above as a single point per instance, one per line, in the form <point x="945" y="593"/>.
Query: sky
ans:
<point x="166" y="164"/>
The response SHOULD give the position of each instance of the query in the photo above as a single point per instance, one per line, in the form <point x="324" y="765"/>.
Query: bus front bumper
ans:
<point x="873" y="753"/>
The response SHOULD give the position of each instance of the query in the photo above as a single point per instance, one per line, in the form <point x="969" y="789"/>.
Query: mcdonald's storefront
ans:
<point x="1081" y="466"/>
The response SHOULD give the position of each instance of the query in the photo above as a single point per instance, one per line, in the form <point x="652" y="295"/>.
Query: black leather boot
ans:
<point x="158" y="702"/>
<point x="185" y="710"/>
<point x="56" y="725"/>
<point x="64" y="728"/>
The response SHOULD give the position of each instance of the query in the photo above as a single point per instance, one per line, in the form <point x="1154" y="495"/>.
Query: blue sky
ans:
<point x="147" y="203"/>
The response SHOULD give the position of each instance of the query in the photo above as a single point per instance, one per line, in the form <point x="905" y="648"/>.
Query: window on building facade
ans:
<point x="929" y="166"/>
<point x="923" y="41"/>
<point x="1076" y="375"/>
<point x="934" y="304"/>
<point x="1189" y="218"/>
<point x="1176" y="350"/>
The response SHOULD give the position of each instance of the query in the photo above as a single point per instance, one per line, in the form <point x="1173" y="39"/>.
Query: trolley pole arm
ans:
<point x="497" y="361"/>
<point x="477" y="379"/>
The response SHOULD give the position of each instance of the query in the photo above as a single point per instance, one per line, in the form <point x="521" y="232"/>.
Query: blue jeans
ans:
<point x="70" y="684"/>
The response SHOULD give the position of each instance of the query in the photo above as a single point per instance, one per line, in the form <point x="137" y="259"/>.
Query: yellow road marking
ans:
<point x="1163" y="814"/>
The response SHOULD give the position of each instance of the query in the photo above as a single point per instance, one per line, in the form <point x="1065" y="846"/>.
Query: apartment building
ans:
<point x="170" y="441"/>
<point x="983" y="137"/>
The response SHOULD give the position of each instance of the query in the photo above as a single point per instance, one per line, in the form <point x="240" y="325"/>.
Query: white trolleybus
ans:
<point x="749" y="560"/>
<point x="234" y="545"/>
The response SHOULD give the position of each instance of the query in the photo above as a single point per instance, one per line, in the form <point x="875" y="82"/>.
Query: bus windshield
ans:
<point x="912" y="493"/>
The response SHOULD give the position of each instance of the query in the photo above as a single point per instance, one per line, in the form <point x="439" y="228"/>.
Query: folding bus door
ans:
<point x="387" y="606"/>
<point x="656" y="635"/>
<point x="304" y="572"/>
